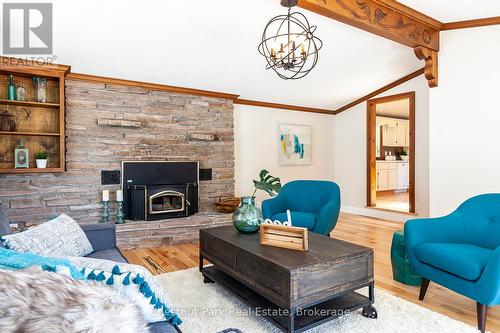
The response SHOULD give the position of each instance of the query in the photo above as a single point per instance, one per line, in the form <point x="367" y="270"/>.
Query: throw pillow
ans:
<point x="131" y="281"/>
<point x="61" y="236"/>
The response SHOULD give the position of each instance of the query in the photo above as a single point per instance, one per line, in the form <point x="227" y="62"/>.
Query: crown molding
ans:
<point x="154" y="86"/>
<point x="471" y="23"/>
<point x="381" y="90"/>
<point x="282" y="106"/>
<point x="26" y="64"/>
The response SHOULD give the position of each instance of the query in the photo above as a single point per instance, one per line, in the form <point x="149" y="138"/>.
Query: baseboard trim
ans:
<point x="377" y="213"/>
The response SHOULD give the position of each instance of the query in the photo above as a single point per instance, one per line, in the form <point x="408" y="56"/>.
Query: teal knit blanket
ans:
<point x="13" y="260"/>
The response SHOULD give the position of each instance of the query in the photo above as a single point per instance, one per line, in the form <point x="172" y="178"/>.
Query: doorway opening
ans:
<point x="391" y="153"/>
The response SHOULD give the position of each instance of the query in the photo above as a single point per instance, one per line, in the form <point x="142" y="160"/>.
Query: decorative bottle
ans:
<point x="247" y="218"/>
<point x="21" y="92"/>
<point x="11" y="96"/>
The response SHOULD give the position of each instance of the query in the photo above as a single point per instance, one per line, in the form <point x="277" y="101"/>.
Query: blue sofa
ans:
<point x="313" y="204"/>
<point x="460" y="251"/>
<point x="102" y="236"/>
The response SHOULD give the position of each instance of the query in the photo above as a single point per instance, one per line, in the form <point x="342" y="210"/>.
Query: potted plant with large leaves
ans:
<point x="248" y="217"/>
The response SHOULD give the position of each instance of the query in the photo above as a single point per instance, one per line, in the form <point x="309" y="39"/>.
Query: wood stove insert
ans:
<point x="156" y="190"/>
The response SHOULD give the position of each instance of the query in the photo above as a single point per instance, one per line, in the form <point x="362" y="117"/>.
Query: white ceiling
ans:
<point x="396" y="109"/>
<point x="212" y="45"/>
<point x="455" y="10"/>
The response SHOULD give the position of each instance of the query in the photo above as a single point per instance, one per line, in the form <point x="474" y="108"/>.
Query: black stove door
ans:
<point x="166" y="201"/>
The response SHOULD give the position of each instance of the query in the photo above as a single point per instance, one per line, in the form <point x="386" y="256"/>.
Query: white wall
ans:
<point x="257" y="144"/>
<point x="465" y="118"/>
<point x="350" y="151"/>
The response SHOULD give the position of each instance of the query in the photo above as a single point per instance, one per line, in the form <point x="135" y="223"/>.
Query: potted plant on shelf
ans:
<point x="247" y="217"/>
<point x="404" y="155"/>
<point x="41" y="159"/>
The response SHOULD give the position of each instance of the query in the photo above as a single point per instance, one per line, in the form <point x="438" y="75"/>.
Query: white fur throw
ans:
<point x="33" y="301"/>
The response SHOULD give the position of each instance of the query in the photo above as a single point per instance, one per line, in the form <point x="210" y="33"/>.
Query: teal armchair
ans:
<point x="460" y="251"/>
<point x="313" y="204"/>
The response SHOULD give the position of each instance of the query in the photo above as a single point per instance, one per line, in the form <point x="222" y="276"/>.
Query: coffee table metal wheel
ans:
<point x="369" y="312"/>
<point x="206" y="279"/>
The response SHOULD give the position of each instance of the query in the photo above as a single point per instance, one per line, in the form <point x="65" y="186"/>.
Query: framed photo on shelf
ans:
<point x="22" y="156"/>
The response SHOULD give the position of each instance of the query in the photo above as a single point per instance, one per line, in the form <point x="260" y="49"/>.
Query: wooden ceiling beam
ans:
<point x="388" y="19"/>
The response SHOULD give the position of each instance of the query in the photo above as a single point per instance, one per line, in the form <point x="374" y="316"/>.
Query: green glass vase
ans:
<point x="247" y="217"/>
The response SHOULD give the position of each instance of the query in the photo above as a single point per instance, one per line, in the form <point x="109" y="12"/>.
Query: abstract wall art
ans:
<point x="295" y="146"/>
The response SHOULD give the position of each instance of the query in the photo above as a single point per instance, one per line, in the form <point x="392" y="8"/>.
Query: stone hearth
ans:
<point x="166" y="232"/>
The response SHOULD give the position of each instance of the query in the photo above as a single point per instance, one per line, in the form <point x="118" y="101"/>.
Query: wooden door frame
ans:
<point x="371" y="154"/>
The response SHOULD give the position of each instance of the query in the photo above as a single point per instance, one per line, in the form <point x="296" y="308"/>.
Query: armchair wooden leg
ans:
<point x="482" y="313"/>
<point x="423" y="288"/>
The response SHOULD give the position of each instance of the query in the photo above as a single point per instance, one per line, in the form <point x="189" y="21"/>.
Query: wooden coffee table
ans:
<point x="295" y="290"/>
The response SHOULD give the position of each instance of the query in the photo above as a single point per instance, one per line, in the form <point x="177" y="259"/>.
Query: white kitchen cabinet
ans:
<point x="393" y="179"/>
<point x="392" y="175"/>
<point x="401" y="128"/>
<point x="382" y="180"/>
<point x="389" y="136"/>
<point x="396" y="132"/>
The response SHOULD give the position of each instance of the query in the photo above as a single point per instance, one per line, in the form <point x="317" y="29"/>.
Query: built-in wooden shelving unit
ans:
<point x="40" y="125"/>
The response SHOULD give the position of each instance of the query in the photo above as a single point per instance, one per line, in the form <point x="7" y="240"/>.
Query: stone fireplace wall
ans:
<point x="108" y="123"/>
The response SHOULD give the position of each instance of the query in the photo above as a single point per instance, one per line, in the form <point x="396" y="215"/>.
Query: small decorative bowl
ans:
<point x="227" y="205"/>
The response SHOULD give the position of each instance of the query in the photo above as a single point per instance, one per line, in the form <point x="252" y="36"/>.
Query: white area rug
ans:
<point x="209" y="308"/>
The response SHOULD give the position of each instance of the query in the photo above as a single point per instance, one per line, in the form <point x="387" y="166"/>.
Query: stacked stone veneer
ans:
<point x="107" y="123"/>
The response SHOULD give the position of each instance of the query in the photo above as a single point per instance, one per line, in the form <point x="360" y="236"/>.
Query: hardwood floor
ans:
<point x="390" y="200"/>
<point x="374" y="233"/>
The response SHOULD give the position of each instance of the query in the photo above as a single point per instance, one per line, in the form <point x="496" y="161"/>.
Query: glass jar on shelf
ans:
<point x="40" y="84"/>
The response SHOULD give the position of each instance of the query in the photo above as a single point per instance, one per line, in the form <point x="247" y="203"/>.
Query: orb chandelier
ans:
<point x="289" y="45"/>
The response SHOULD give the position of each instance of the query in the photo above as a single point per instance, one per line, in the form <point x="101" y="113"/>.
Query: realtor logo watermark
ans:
<point x="27" y="28"/>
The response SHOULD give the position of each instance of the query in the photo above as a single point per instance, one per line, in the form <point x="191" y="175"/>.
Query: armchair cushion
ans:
<point x="102" y="236"/>
<point x="463" y="260"/>
<point x="4" y="224"/>
<point x="299" y="219"/>
<point x="109" y="254"/>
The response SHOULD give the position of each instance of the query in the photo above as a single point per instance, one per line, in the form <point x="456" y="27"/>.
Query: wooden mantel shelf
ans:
<point x="29" y="133"/>
<point x="28" y="103"/>
<point x="32" y="170"/>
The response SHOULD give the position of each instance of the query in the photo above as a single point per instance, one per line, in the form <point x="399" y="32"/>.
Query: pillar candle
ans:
<point x="105" y="195"/>
<point x="119" y="195"/>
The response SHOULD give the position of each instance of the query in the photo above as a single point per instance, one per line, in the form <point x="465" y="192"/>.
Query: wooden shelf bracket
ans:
<point x="431" y="64"/>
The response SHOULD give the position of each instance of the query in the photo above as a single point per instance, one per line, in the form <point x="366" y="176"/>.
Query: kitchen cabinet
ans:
<point x="395" y="133"/>
<point x="382" y="180"/>
<point x="393" y="175"/>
